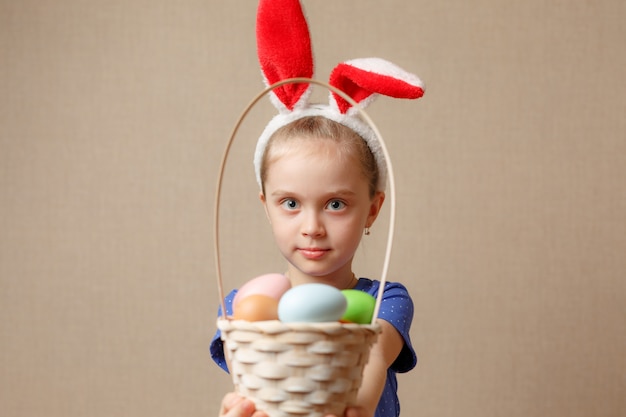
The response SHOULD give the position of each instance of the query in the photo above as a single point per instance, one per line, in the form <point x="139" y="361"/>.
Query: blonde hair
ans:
<point x="351" y="145"/>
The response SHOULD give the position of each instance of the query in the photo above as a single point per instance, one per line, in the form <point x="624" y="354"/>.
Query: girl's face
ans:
<point x="318" y="206"/>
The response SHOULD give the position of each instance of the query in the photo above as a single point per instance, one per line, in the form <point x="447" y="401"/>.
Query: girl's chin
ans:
<point x="304" y="275"/>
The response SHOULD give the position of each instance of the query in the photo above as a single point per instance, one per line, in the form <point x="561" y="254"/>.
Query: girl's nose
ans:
<point x="312" y="225"/>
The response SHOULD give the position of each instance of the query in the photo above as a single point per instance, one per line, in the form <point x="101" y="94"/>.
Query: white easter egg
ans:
<point x="312" y="303"/>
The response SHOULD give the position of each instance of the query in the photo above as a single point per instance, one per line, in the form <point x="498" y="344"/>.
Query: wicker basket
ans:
<point x="299" y="369"/>
<point x="296" y="369"/>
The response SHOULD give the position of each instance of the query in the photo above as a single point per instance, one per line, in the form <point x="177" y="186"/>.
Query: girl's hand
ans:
<point x="234" y="405"/>
<point x="355" y="411"/>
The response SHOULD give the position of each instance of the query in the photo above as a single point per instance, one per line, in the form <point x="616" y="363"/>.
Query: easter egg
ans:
<point x="271" y="285"/>
<point x="256" y="307"/>
<point x="360" y="307"/>
<point x="312" y="303"/>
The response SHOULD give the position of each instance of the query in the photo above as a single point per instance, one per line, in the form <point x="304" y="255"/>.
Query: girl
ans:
<point x="320" y="191"/>
<point x="322" y="176"/>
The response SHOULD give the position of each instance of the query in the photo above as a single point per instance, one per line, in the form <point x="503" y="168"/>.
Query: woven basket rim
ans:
<point x="276" y="326"/>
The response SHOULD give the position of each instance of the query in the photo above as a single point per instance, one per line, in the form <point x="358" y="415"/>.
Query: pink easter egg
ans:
<point x="271" y="285"/>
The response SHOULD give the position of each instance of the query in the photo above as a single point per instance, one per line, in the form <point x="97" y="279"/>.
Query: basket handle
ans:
<point x="392" y="188"/>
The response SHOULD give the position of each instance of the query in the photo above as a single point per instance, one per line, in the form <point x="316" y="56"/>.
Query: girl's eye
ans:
<point x="289" y="204"/>
<point x="336" y="205"/>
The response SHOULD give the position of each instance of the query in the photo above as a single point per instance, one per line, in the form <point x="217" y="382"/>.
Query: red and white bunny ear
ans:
<point x="284" y="48"/>
<point x="363" y="78"/>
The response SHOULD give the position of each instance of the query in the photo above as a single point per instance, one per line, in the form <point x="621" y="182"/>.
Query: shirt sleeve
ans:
<point x="396" y="307"/>
<point x="217" y="346"/>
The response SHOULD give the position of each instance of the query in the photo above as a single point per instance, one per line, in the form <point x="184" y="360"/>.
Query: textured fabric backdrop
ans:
<point x="510" y="172"/>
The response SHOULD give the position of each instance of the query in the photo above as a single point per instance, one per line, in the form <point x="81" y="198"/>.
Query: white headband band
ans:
<point x="352" y="122"/>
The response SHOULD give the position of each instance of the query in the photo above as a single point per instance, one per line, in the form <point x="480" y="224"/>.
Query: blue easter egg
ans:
<point x="312" y="303"/>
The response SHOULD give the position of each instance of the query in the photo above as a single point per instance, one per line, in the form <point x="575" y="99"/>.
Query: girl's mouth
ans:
<point x="312" y="253"/>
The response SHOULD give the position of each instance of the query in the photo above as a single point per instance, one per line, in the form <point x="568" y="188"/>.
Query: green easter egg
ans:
<point x="360" y="307"/>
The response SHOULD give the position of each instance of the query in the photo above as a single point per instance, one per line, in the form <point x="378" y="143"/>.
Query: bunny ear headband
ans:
<point x="284" y="50"/>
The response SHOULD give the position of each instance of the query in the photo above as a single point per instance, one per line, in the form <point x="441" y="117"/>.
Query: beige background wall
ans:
<point x="511" y="223"/>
